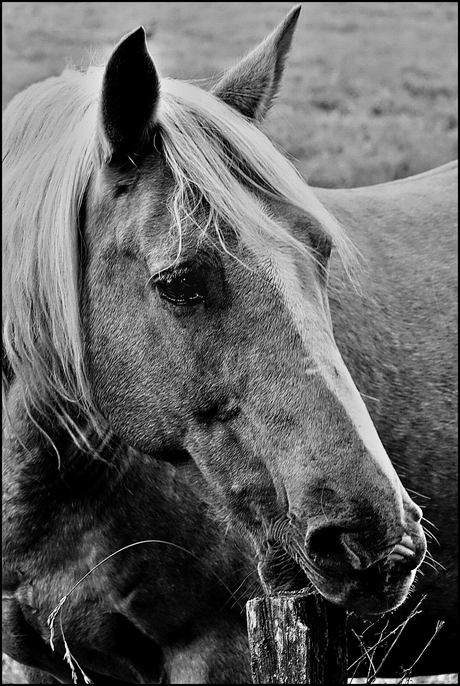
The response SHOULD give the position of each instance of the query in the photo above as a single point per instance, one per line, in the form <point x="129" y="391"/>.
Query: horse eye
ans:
<point x="181" y="287"/>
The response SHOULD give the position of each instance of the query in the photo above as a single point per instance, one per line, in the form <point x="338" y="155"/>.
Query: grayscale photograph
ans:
<point x="229" y="343"/>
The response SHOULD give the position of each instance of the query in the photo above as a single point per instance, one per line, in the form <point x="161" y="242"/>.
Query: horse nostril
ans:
<point x="360" y="555"/>
<point x="325" y="545"/>
<point x="337" y="546"/>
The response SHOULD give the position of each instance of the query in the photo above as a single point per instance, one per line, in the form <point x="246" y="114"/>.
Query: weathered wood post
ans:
<point x="297" y="638"/>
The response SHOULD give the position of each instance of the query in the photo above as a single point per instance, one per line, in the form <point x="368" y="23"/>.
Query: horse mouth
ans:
<point x="280" y="573"/>
<point x="379" y="588"/>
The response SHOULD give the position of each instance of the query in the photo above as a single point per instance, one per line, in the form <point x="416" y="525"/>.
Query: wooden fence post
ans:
<point x="297" y="638"/>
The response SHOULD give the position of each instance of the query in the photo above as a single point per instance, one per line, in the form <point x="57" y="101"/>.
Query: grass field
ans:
<point x="370" y="92"/>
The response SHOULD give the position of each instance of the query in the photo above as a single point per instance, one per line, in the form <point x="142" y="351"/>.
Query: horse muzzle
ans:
<point x="356" y="570"/>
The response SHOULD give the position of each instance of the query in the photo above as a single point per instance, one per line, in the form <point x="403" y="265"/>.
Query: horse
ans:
<point x="203" y="361"/>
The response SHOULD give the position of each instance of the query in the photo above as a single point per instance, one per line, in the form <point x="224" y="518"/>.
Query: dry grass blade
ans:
<point x="52" y="616"/>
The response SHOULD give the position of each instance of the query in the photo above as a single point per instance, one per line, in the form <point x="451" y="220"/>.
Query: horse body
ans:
<point x="206" y="340"/>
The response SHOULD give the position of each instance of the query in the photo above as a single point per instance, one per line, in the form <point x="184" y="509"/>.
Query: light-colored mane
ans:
<point x="52" y="147"/>
<point x="48" y="157"/>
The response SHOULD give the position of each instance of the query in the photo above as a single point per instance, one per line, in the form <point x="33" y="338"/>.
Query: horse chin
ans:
<point x="375" y="590"/>
<point x="368" y="592"/>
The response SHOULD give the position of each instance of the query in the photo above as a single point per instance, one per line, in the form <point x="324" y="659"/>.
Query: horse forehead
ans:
<point x="298" y="286"/>
<point x="132" y="213"/>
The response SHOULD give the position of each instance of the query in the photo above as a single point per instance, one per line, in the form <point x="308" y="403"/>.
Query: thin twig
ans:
<point x="406" y="672"/>
<point x="401" y="629"/>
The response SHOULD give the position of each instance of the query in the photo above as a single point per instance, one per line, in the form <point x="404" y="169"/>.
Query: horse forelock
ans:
<point x="220" y="156"/>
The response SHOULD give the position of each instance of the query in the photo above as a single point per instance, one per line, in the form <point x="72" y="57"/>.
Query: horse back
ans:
<point x="417" y="212"/>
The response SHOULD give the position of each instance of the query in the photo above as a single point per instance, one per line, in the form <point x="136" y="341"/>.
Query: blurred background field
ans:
<point x="369" y="95"/>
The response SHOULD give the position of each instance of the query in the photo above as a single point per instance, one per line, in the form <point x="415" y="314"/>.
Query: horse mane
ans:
<point x="48" y="141"/>
<point x="52" y="147"/>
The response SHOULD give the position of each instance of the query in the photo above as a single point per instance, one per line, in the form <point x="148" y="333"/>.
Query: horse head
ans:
<point x="207" y="335"/>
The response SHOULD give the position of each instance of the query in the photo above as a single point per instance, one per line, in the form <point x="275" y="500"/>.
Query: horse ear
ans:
<point x="130" y="93"/>
<point x="251" y="86"/>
